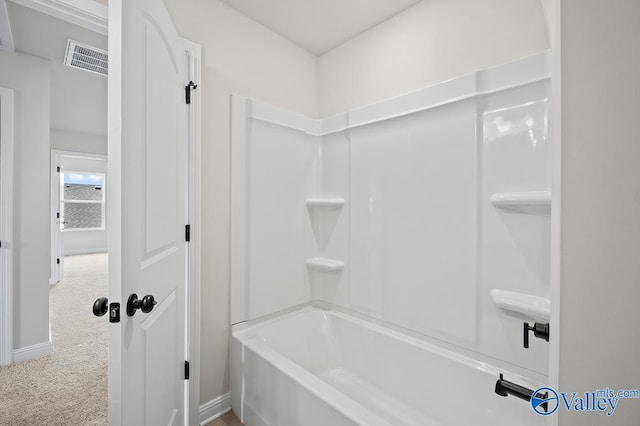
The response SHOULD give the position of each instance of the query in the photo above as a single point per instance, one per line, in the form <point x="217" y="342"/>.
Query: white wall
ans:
<point x="600" y="289"/>
<point x="78" y="97"/>
<point x="430" y="42"/>
<point x="239" y="56"/>
<point x="84" y="242"/>
<point x="69" y="140"/>
<point x="29" y="78"/>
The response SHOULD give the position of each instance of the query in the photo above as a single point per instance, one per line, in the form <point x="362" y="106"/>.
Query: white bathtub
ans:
<point x="318" y="367"/>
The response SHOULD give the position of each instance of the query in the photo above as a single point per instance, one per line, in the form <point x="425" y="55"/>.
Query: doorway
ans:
<point x="77" y="368"/>
<point x="78" y="207"/>
<point x="57" y="373"/>
<point x="75" y="113"/>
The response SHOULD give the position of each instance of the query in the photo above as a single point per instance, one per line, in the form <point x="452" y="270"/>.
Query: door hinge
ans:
<point x="187" y="233"/>
<point x="57" y="215"/>
<point x="188" y="89"/>
<point x="58" y="261"/>
<point x="186" y="370"/>
<point x="58" y="169"/>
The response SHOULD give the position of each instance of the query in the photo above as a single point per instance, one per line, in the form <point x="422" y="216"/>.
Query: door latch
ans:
<point x="114" y="312"/>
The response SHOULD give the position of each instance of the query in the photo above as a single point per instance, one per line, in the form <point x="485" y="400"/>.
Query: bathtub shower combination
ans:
<point x="390" y="265"/>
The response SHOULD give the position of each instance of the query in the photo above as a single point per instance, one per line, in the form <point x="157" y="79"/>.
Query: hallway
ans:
<point x="68" y="387"/>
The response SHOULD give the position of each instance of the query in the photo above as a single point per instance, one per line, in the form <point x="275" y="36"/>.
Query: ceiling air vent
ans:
<point x="85" y="57"/>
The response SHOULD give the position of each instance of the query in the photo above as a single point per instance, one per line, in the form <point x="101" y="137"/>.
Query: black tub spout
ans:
<point x="506" y="388"/>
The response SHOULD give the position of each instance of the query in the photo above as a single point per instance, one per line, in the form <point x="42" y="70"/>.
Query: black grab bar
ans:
<point x="506" y="388"/>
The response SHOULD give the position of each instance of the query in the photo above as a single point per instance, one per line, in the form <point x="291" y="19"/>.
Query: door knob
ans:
<point x="100" y="306"/>
<point x="145" y="305"/>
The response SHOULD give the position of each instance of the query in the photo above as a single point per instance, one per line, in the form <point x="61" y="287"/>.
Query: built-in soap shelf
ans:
<point x="531" y="202"/>
<point x="323" y="264"/>
<point x="323" y="225"/>
<point x="325" y="203"/>
<point x="531" y="306"/>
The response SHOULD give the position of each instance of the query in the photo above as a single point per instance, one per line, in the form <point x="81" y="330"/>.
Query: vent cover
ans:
<point x="85" y="57"/>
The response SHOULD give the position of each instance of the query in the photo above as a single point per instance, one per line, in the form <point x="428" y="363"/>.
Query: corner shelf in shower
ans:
<point x="531" y="306"/>
<point x="325" y="203"/>
<point x="531" y="202"/>
<point x="323" y="264"/>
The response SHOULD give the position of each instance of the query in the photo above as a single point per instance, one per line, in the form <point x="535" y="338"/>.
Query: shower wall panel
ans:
<point x="331" y="226"/>
<point x="279" y="169"/>
<point x="515" y="243"/>
<point x="413" y="236"/>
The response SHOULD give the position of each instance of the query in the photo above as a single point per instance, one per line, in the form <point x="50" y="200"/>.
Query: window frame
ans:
<point x="103" y="202"/>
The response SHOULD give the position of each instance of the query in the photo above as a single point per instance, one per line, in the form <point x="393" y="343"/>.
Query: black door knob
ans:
<point x="100" y="306"/>
<point x="145" y="305"/>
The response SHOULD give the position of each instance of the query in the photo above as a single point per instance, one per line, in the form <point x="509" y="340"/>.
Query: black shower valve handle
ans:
<point x="540" y="330"/>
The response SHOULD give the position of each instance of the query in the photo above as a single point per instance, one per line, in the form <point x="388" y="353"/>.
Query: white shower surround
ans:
<point x="330" y="213"/>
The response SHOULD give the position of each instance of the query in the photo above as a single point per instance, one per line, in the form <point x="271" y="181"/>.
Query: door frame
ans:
<point x="194" y="57"/>
<point x="54" y="180"/>
<point x="6" y="225"/>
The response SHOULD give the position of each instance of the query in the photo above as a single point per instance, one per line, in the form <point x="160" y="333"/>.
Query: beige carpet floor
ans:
<point x="68" y="387"/>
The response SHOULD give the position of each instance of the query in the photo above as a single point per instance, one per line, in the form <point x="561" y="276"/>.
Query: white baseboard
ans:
<point x="85" y="251"/>
<point x="31" y="352"/>
<point x="213" y="409"/>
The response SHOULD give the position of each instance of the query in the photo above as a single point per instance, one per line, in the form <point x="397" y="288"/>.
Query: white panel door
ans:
<point x="147" y="213"/>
